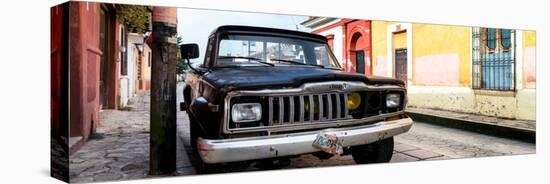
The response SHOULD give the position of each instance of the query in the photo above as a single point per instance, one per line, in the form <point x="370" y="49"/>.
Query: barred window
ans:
<point x="493" y="59"/>
<point x="491" y="38"/>
<point x="505" y="39"/>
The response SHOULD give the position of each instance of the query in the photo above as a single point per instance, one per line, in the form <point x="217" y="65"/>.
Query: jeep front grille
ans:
<point x="298" y="109"/>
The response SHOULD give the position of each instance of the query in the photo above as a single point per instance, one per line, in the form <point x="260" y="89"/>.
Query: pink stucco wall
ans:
<point x="380" y="68"/>
<point x="439" y="69"/>
<point x="529" y="69"/>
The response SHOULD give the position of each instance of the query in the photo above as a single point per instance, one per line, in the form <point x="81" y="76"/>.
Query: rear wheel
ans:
<point x="376" y="152"/>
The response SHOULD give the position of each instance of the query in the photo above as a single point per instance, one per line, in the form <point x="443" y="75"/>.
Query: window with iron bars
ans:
<point x="493" y="59"/>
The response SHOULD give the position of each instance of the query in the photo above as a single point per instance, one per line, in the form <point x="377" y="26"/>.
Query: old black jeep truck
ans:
<point x="266" y="94"/>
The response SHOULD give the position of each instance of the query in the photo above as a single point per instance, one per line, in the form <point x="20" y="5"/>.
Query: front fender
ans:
<point x="206" y="114"/>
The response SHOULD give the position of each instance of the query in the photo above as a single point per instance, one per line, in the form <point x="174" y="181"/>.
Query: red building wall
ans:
<point x="357" y="36"/>
<point x="85" y="63"/>
<point x="58" y="128"/>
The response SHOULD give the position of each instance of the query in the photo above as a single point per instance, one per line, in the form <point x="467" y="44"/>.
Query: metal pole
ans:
<point x="162" y="157"/>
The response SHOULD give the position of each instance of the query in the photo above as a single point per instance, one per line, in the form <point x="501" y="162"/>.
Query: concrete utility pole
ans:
<point x="162" y="159"/>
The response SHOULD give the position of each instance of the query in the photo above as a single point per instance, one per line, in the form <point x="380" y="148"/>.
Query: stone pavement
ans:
<point x="120" y="147"/>
<point x="455" y="143"/>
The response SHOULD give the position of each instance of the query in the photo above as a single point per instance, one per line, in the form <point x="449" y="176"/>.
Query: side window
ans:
<point x="321" y="56"/>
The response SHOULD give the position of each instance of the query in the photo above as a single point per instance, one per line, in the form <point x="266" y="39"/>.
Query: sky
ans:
<point x="195" y="25"/>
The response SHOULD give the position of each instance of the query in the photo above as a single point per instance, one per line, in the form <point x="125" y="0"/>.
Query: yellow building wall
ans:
<point x="442" y="71"/>
<point x="399" y="40"/>
<point x="436" y="43"/>
<point x="379" y="46"/>
<point x="529" y="38"/>
<point x="443" y="43"/>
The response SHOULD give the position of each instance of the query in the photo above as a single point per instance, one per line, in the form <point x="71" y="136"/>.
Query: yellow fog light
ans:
<point x="354" y="100"/>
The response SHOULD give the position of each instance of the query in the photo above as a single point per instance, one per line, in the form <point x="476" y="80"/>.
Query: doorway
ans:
<point x="106" y="35"/>
<point x="102" y="46"/>
<point x="360" y="61"/>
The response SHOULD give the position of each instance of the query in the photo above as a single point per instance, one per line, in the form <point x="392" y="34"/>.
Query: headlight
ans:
<point x="246" y="112"/>
<point x="393" y="100"/>
<point x="354" y="100"/>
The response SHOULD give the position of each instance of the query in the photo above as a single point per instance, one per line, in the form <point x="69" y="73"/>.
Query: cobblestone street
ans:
<point x="120" y="147"/>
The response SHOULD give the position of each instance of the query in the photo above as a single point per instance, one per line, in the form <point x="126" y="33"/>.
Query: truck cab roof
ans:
<point x="268" y="31"/>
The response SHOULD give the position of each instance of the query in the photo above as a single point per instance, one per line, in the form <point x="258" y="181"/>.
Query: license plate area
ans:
<point x="328" y="143"/>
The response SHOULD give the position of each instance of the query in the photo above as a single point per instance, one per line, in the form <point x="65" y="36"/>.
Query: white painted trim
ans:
<point x="321" y="22"/>
<point x="390" y="30"/>
<point x="518" y="49"/>
<point x="471" y="48"/>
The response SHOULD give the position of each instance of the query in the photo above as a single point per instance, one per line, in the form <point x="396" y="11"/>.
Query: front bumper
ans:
<point x="252" y="148"/>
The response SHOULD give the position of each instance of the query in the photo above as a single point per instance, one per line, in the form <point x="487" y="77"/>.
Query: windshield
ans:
<point x="253" y="50"/>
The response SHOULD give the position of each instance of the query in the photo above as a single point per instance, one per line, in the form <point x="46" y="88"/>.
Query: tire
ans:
<point x="194" y="131"/>
<point x="376" y="152"/>
<point x="194" y="134"/>
<point x="271" y="164"/>
<point x="200" y="166"/>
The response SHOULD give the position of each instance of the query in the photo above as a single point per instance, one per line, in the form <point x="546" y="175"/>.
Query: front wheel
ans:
<point x="200" y="166"/>
<point x="376" y="152"/>
<point x="194" y="133"/>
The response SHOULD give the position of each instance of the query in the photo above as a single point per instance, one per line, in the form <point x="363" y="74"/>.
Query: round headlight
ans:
<point x="354" y="100"/>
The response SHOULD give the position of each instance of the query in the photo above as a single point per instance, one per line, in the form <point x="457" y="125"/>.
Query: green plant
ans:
<point x="136" y="18"/>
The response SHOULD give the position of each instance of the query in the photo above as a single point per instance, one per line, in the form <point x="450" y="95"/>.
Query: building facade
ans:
<point x="349" y="39"/>
<point x="139" y="54"/>
<point x="456" y="68"/>
<point x="86" y="63"/>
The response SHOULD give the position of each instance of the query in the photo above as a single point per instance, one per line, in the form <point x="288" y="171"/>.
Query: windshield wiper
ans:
<point x="295" y="62"/>
<point x="249" y="58"/>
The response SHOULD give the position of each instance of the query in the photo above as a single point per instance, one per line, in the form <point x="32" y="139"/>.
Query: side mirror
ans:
<point x="189" y="51"/>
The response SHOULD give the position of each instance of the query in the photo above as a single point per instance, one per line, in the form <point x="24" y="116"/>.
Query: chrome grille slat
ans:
<point x="270" y="106"/>
<point x="329" y="103"/>
<point x="345" y="106"/>
<point x="302" y="108"/>
<point x="281" y="110"/>
<point x="338" y="108"/>
<point x="311" y="106"/>
<point x="320" y="99"/>
<point x="291" y="109"/>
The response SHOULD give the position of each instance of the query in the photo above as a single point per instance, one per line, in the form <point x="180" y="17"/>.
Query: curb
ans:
<point x="521" y="134"/>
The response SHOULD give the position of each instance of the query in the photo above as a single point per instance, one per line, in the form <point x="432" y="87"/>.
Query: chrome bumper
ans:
<point x="252" y="148"/>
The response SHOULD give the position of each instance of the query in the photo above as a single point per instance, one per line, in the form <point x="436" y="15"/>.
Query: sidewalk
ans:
<point x="524" y="130"/>
<point x="119" y="150"/>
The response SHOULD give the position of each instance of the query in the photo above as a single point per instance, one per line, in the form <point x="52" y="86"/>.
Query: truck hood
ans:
<point x="250" y="78"/>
